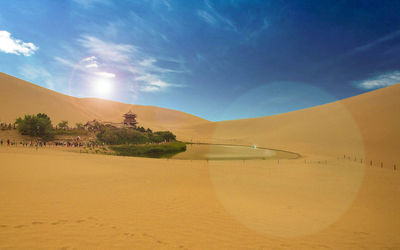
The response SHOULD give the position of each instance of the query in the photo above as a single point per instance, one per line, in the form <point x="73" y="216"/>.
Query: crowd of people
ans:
<point x="5" y="126"/>
<point x="76" y="142"/>
<point x="32" y="143"/>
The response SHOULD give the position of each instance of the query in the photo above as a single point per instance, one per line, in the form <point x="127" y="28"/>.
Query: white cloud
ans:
<point x="206" y="16"/>
<point x="105" y="74"/>
<point x="154" y="86"/>
<point x="380" y="81"/>
<point x="14" y="46"/>
<point x="152" y="83"/>
<point x="85" y="63"/>
<point x="371" y="44"/>
<point x="89" y="59"/>
<point x="88" y="65"/>
<point x="150" y="88"/>
<point x="37" y="74"/>
<point x="147" y="62"/>
<point x="91" y="62"/>
<point x="378" y="41"/>
<point x="124" y="57"/>
<point x="107" y="50"/>
<point x="65" y="62"/>
<point x="92" y="65"/>
<point x="213" y="17"/>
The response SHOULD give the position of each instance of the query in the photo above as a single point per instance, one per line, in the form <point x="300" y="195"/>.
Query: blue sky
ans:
<point x="219" y="60"/>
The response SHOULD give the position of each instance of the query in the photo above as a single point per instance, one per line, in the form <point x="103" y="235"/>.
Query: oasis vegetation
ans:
<point x="125" y="138"/>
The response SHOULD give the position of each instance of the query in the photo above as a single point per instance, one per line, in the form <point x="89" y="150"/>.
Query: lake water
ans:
<point x="230" y="152"/>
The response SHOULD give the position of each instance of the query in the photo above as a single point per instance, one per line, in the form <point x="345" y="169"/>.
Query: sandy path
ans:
<point x="55" y="199"/>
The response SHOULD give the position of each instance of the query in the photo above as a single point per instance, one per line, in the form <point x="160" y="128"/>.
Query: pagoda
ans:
<point x="130" y="119"/>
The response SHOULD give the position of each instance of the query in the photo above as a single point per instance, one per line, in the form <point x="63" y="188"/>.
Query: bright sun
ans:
<point x="103" y="87"/>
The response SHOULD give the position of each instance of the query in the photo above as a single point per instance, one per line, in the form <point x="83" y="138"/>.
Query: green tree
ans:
<point x="63" y="125"/>
<point x="166" y="135"/>
<point x="36" y="126"/>
<point x="141" y="129"/>
<point x="116" y="136"/>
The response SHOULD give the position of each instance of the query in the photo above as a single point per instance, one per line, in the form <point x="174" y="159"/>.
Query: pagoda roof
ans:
<point x="129" y="113"/>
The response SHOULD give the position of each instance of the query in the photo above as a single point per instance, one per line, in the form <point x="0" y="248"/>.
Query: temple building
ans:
<point x="130" y="119"/>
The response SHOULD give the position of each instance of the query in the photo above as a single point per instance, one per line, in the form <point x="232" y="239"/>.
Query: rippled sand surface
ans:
<point x="56" y="199"/>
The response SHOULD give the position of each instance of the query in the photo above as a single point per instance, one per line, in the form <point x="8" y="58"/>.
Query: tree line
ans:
<point x="40" y="126"/>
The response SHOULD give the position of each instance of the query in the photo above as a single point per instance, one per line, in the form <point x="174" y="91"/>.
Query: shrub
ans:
<point x="72" y="132"/>
<point x="36" y="125"/>
<point x="155" y="138"/>
<point x="114" y="136"/>
<point x="150" y="150"/>
<point x="141" y="129"/>
<point x="117" y="136"/>
<point x="166" y="135"/>
<point x="63" y="125"/>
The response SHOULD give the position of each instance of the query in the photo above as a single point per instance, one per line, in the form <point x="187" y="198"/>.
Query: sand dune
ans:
<point x="19" y="97"/>
<point x="57" y="199"/>
<point x="364" y="126"/>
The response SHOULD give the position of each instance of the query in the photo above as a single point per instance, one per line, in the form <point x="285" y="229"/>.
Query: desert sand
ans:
<point x="331" y="197"/>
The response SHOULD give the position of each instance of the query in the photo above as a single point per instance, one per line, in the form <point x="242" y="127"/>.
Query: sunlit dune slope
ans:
<point x="18" y="97"/>
<point x="364" y="126"/>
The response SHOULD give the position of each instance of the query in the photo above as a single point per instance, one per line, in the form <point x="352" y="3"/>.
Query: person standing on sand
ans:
<point x="8" y="142"/>
<point x="1" y="142"/>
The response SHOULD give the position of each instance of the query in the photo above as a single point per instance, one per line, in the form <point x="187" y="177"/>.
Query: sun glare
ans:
<point x="103" y="87"/>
